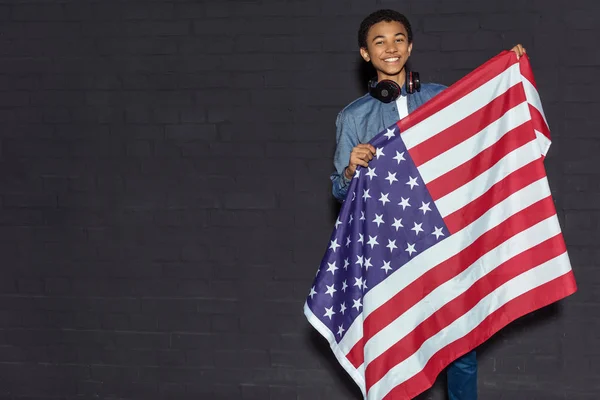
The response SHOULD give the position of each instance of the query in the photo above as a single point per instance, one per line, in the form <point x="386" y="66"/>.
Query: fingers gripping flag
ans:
<point x="449" y="235"/>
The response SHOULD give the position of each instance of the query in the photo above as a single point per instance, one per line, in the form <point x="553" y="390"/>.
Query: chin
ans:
<point x="393" y="72"/>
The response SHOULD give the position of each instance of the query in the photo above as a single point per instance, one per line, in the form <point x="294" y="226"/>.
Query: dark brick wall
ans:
<point x="164" y="193"/>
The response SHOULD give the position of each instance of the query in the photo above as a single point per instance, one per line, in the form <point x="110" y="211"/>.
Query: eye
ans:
<point x="400" y="40"/>
<point x="379" y="42"/>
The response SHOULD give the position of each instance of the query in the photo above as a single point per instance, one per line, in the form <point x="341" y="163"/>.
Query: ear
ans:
<point x="365" y="54"/>
<point x="409" y="48"/>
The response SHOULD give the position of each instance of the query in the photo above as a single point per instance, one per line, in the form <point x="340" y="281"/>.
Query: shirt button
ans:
<point x="394" y="109"/>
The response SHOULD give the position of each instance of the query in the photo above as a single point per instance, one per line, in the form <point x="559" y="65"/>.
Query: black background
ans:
<point x="165" y="202"/>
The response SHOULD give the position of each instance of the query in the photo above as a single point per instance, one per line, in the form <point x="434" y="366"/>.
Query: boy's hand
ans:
<point x="361" y="155"/>
<point x="519" y="50"/>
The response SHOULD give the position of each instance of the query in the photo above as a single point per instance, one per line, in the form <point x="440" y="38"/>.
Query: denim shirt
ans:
<point x="362" y="120"/>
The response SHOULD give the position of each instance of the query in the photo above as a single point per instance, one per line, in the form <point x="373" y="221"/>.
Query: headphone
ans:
<point x="388" y="90"/>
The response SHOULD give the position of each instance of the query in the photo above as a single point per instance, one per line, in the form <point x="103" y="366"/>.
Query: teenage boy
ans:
<point x="386" y="41"/>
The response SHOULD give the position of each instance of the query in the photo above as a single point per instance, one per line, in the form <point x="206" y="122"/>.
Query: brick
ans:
<point x="29" y="200"/>
<point x="454" y="23"/>
<point x="37" y="12"/>
<point x="189" y="132"/>
<point x="581" y="19"/>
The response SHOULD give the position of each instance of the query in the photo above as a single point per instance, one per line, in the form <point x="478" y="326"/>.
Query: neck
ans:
<point x="399" y="78"/>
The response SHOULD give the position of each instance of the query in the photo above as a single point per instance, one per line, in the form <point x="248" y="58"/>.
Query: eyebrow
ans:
<point x="382" y="37"/>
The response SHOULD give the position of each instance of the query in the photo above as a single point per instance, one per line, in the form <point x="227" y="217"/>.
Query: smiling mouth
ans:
<point x="392" y="59"/>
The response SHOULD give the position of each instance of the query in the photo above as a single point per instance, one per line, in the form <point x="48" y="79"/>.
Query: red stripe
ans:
<point x="356" y="354"/>
<point x="538" y="121"/>
<point x="469" y="126"/>
<point x="455" y="308"/>
<point x="525" y="69"/>
<point x="464" y="86"/>
<point x="534" y="299"/>
<point x="500" y="191"/>
<point x="484" y="160"/>
<point x="446" y="270"/>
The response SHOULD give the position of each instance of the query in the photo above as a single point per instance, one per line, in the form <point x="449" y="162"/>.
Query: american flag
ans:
<point x="449" y="235"/>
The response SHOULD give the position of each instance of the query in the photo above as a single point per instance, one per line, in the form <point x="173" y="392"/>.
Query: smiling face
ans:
<point x="387" y="49"/>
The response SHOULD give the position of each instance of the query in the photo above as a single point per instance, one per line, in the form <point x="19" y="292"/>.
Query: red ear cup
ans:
<point x="413" y="82"/>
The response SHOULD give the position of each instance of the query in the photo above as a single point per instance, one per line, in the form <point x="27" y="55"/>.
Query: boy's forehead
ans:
<point x="385" y="27"/>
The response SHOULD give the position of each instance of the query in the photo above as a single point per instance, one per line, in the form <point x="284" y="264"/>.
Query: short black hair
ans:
<point x="379" y="16"/>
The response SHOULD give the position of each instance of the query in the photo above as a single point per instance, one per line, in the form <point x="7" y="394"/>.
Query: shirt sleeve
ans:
<point x="346" y="140"/>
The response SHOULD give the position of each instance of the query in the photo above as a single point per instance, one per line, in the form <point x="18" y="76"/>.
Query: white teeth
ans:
<point x="391" y="59"/>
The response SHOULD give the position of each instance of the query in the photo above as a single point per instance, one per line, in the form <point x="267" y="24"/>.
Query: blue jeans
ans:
<point x="462" y="378"/>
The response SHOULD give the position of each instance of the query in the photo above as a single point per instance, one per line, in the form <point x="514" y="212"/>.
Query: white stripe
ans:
<point x="358" y="374"/>
<point x="517" y="286"/>
<point x="456" y="286"/>
<point x="471" y="190"/>
<point x="466" y="150"/>
<point x="543" y="142"/>
<point x="447" y="248"/>
<point x="461" y="108"/>
<point x="533" y="97"/>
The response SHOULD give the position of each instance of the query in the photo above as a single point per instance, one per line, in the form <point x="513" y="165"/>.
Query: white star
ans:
<point x="365" y="285"/>
<point x="386" y="266"/>
<point x="391" y="177"/>
<point x="371" y="173"/>
<point x="391" y="245"/>
<point x="366" y="194"/>
<point x="379" y="152"/>
<point x="357" y="304"/>
<point x="344" y="286"/>
<point x="337" y="222"/>
<point x="353" y="196"/>
<point x="438" y="232"/>
<point x="334" y="245"/>
<point x="359" y="260"/>
<point x="404" y="203"/>
<point x="424" y="207"/>
<point x="399" y="157"/>
<point x="412" y="182"/>
<point x="348" y="241"/>
<point x="417" y="228"/>
<point x="330" y="290"/>
<point x="361" y="238"/>
<point x="332" y="268"/>
<point x="397" y="224"/>
<point x="367" y="264"/>
<point x="389" y="134"/>
<point x="384" y="198"/>
<point x="362" y="215"/>
<point x="340" y="330"/>
<point x="378" y="219"/>
<point x="372" y="241"/>
<point x="312" y="292"/>
<point x="343" y="308"/>
<point x="357" y="173"/>
<point x="351" y="219"/>
<point x="410" y="249"/>
<point x="346" y="264"/>
<point x="358" y="282"/>
<point x="329" y="312"/>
